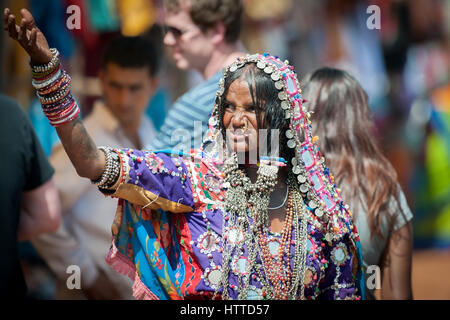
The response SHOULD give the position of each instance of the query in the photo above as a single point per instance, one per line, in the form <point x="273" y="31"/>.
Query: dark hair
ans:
<point x="265" y="98"/>
<point x="206" y="13"/>
<point x="131" y="52"/>
<point x="343" y="122"/>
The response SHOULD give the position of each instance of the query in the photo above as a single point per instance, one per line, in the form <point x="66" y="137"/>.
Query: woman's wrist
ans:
<point x="42" y="68"/>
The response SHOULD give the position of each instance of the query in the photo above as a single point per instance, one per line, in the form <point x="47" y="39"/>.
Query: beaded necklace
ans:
<point x="246" y="207"/>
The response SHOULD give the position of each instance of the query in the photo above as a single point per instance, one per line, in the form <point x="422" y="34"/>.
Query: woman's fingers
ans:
<point x="29" y="19"/>
<point x="33" y="36"/>
<point x="5" y="19"/>
<point x="12" y="27"/>
<point x="28" y="36"/>
<point x="22" y="36"/>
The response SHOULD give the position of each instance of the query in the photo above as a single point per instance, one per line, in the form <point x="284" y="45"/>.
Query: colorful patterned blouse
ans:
<point x="168" y="234"/>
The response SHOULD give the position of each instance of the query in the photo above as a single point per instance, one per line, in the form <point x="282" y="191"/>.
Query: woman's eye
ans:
<point x="228" y="107"/>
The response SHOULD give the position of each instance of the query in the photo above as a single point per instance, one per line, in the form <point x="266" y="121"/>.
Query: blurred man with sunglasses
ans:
<point x="203" y="36"/>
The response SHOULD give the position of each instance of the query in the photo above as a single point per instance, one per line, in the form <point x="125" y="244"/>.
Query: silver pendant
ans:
<point x="282" y="95"/>
<point x="303" y="188"/>
<point x="284" y="105"/>
<point x="275" y="76"/>
<point x="289" y="134"/>
<point x="279" y="85"/>
<point x="301" y="178"/>
<point x="261" y="64"/>
<point x="291" y="144"/>
<point x="319" y="212"/>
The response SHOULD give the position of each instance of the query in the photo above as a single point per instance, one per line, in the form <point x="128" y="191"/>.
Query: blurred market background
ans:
<point x="404" y="66"/>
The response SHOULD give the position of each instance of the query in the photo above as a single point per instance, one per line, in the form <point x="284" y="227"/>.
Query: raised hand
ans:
<point x="28" y="36"/>
<point x="81" y="149"/>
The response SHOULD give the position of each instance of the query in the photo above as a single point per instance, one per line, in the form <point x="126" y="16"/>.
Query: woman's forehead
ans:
<point x="239" y="87"/>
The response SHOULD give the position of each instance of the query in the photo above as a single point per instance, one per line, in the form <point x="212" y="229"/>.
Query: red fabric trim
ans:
<point x="191" y="277"/>
<point x="124" y="266"/>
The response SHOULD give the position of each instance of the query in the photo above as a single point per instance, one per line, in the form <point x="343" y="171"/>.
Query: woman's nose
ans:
<point x="238" y="119"/>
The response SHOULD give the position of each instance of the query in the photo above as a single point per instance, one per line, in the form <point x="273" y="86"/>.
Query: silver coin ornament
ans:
<point x="289" y="134"/>
<point x="291" y="144"/>
<point x="279" y="85"/>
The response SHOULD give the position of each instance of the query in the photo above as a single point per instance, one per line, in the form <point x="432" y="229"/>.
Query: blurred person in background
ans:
<point x="337" y="35"/>
<point x="128" y="80"/>
<point x="426" y="94"/>
<point x="30" y="203"/>
<point x="367" y="179"/>
<point x="203" y="36"/>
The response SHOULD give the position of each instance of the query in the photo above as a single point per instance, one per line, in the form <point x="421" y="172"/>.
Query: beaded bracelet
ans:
<point x="58" y="96"/>
<point x="54" y="85"/>
<point x="58" y="84"/>
<point x="56" y="107"/>
<point x="112" y="169"/>
<point x="41" y="77"/>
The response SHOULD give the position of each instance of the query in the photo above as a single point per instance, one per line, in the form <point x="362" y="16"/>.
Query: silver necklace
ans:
<point x="284" y="201"/>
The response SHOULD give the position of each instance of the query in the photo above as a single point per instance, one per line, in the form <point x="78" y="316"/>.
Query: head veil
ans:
<point x="308" y="165"/>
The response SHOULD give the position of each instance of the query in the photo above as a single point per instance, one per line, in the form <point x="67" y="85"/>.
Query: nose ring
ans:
<point x="244" y="127"/>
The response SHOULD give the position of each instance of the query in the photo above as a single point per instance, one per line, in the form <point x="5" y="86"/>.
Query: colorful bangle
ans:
<point x="58" y="96"/>
<point x="69" y="118"/>
<point x="52" y="113"/>
<point x="39" y="85"/>
<point x="55" y="85"/>
<point x="63" y="113"/>
<point x="58" y="92"/>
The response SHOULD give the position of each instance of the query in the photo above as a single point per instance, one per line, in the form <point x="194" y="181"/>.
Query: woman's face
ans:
<point x="240" y="119"/>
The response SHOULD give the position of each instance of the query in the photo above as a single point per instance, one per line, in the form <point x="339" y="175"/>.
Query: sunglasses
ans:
<point x="177" y="33"/>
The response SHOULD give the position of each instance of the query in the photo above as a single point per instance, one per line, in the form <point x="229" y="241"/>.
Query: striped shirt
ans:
<point x="187" y="120"/>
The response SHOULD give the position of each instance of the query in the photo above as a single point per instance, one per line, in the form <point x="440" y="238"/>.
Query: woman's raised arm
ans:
<point x="88" y="161"/>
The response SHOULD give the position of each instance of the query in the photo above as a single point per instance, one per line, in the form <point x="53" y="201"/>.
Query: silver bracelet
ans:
<point x="112" y="169"/>
<point x="41" y="68"/>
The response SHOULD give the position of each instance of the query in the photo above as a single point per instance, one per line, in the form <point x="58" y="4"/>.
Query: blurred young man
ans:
<point x="203" y="36"/>
<point x="128" y="81"/>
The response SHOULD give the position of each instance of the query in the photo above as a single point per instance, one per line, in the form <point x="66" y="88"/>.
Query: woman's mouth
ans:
<point x="238" y="134"/>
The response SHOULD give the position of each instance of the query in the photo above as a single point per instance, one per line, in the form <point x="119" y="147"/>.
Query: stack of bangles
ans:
<point x="112" y="169"/>
<point x="53" y="90"/>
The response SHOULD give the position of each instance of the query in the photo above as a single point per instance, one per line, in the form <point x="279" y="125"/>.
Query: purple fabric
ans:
<point x="160" y="180"/>
<point x="164" y="183"/>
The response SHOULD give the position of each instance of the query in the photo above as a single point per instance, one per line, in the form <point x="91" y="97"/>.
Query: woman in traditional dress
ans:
<point x="234" y="220"/>
<point x="343" y="122"/>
